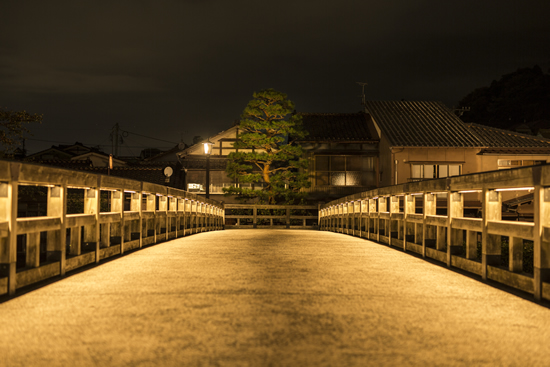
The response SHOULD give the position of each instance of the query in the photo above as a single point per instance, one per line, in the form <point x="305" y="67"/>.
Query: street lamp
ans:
<point x="207" y="151"/>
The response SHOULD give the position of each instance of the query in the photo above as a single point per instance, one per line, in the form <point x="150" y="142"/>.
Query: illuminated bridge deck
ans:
<point x="271" y="298"/>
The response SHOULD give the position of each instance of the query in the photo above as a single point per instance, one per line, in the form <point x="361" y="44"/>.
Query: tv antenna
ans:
<point x="363" y="101"/>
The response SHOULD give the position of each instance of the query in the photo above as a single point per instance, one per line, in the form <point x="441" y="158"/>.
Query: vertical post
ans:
<point x="135" y="206"/>
<point x="75" y="248"/>
<point x="185" y="215"/>
<point x="394" y="225"/>
<point x="490" y="244"/>
<point x="163" y="216"/>
<point x="515" y="263"/>
<point x="33" y="249"/>
<point x="8" y="213"/>
<point x="372" y="218"/>
<point x="541" y="245"/>
<point x="408" y="230"/>
<point x="57" y="238"/>
<point x="92" y="206"/>
<point x="382" y="208"/>
<point x="117" y="206"/>
<point x="455" y="209"/>
<point x="181" y="215"/>
<point x="194" y="221"/>
<point x="471" y="245"/>
<point x="208" y="176"/>
<point x="429" y="203"/>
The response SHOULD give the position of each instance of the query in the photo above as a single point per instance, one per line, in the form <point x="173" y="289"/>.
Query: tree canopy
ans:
<point x="13" y="129"/>
<point x="266" y="155"/>
<point x="518" y="97"/>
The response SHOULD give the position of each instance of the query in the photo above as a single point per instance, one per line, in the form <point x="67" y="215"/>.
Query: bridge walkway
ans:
<point x="271" y="298"/>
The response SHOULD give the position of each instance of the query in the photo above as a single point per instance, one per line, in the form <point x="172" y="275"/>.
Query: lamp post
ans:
<point x="207" y="152"/>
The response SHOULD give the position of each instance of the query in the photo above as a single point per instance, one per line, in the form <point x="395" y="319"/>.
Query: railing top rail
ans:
<point x="501" y="179"/>
<point x="34" y="174"/>
<point x="262" y="206"/>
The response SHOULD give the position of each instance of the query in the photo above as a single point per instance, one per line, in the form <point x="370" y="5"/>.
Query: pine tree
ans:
<point x="266" y="155"/>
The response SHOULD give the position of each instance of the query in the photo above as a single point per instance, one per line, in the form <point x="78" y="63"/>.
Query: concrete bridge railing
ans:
<point x="116" y="215"/>
<point x="428" y="218"/>
<point x="240" y="216"/>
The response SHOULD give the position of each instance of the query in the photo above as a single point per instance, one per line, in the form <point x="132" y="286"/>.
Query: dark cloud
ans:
<point x="173" y="69"/>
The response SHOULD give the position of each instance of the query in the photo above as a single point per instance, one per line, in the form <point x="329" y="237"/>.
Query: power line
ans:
<point x="96" y="145"/>
<point x="148" y="137"/>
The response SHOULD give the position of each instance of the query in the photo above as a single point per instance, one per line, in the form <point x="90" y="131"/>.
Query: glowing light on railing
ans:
<point x="36" y="184"/>
<point x="130" y="191"/>
<point x="517" y="189"/>
<point x="79" y="187"/>
<point x="439" y="193"/>
<point x="468" y="191"/>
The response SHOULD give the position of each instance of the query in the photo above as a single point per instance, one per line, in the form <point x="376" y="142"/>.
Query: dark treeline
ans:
<point x="519" y="97"/>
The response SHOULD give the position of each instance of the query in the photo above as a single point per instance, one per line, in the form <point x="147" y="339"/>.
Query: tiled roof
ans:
<point x="338" y="127"/>
<point x="497" y="138"/>
<point x="67" y="163"/>
<point x="420" y="124"/>
<point x="516" y="151"/>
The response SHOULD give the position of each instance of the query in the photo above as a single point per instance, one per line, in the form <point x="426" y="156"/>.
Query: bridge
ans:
<point x="389" y="278"/>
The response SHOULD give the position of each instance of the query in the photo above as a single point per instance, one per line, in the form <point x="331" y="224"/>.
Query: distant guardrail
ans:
<point x="404" y="216"/>
<point x="271" y="216"/>
<point x="114" y="215"/>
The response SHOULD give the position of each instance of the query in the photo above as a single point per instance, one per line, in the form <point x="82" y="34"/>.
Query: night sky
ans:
<point x="175" y="69"/>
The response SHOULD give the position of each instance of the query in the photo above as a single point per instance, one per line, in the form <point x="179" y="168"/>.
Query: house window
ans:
<point x="512" y="163"/>
<point x="342" y="170"/>
<point x="429" y="171"/>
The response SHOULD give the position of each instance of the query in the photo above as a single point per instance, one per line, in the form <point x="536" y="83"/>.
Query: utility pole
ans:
<point x="114" y="140"/>
<point x="363" y="100"/>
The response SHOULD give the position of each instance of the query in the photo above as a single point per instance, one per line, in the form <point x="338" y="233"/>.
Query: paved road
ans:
<point x="271" y="298"/>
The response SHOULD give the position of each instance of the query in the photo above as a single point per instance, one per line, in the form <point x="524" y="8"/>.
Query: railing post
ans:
<point x="382" y="208"/>
<point x="150" y="224"/>
<point x="135" y="206"/>
<point x="117" y="206"/>
<point x="8" y="244"/>
<point x="455" y="209"/>
<point x="163" y="213"/>
<point x="515" y="261"/>
<point x="373" y="215"/>
<point x="490" y="244"/>
<point x="56" y="243"/>
<point x="408" y="230"/>
<point x="394" y="222"/>
<point x="541" y="243"/>
<point x="429" y="203"/>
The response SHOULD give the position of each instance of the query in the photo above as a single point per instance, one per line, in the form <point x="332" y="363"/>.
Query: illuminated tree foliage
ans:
<point x="13" y="129"/>
<point x="265" y="155"/>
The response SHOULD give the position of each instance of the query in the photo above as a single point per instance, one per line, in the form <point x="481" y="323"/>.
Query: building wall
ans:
<point x="491" y="162"/>
<point x="339" y="169"/>
<point x="468" y="159"/>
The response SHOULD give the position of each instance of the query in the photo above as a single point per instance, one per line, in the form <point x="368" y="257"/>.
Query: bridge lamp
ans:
<point x="208" y="151"/>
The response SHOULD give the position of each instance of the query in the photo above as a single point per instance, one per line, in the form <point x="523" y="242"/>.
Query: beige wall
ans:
<point x="490" y="162"/>
<point x="468" y="158"/>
